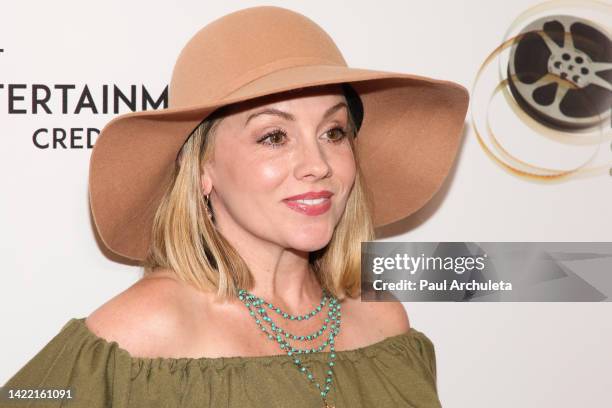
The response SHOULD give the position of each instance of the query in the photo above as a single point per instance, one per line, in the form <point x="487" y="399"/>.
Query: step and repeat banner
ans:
<point x="507" y="268"/>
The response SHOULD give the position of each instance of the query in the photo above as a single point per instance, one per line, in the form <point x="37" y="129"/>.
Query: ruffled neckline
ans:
<point x="388" y="343"/>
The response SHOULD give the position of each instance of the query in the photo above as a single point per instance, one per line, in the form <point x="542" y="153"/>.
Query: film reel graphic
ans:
<point x="558" y="82"/>
<point x="569" y="48"/>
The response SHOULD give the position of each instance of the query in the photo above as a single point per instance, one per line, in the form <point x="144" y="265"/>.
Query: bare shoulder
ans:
<point x="392" y="316"/>
<point x="380" y="319"/>
<point x="148" y="319"/>
<point x="397" y="316"/>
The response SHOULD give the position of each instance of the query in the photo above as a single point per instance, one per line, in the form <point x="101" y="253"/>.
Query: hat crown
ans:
<point x="245" y="45"/>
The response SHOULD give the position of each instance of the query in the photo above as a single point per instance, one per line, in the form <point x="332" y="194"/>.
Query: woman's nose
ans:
<point x="311" y="160"/>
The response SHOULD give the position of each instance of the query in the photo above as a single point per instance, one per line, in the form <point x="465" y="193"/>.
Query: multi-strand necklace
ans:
<point x="257" y="308"/>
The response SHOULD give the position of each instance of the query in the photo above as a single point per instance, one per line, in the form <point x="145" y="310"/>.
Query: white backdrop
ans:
<point x="488" y="354"/>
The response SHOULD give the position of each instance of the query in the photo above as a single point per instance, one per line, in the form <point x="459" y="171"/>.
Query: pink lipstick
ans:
<point x="311" y="203"/>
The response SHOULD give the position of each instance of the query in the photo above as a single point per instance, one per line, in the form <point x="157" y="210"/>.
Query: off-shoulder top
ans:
<point x="399" y="371"/>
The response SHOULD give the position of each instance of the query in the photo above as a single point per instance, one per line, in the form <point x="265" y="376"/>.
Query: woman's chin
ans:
<point x="310" y="247"/>
<point x="310" y="239"/>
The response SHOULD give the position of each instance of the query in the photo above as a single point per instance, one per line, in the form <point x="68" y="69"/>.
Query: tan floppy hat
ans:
<point x="407" y="142"/>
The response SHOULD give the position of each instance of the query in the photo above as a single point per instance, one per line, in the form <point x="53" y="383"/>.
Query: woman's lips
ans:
<point x="309" y="209"/>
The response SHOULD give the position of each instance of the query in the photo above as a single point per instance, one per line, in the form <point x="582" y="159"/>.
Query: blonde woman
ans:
<point x="246" y="203"/>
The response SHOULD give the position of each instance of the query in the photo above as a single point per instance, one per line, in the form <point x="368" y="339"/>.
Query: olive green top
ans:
<point x="399" y="371"/>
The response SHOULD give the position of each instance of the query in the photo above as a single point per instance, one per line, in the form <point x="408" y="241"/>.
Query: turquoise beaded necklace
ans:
<point x="257" y="309"/>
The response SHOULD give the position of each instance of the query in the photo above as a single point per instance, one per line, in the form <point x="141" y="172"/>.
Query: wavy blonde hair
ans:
<point x="184" y="239"/>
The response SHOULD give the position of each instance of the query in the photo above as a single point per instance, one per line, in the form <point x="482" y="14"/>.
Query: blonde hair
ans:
<point x="185" y="240"/>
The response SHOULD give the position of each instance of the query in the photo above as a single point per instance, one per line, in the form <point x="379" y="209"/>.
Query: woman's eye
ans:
<point x="340" y="134"/>
<point x="275" y="138"/>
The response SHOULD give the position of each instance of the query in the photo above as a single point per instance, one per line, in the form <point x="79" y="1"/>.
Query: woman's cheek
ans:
<point x="346" y="169"/>
<point x="271" y="174"/>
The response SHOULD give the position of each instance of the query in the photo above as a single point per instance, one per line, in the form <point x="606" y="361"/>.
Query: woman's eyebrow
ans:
<point x="288" y="116"/>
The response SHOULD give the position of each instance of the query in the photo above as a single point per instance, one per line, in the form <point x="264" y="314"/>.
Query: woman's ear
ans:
<point x="206" y="179"/>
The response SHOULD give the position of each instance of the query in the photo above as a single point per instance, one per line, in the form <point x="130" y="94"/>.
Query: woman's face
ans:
<point x="280" y="147"/>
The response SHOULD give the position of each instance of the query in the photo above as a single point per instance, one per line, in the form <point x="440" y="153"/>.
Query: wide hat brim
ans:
<point x="407" y="143"/>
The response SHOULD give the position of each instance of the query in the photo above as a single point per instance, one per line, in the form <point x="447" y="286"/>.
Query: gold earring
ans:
<point x="208" y="212"/>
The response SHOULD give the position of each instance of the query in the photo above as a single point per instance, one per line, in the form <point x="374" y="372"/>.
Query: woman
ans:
<point x="246" y="203"/>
